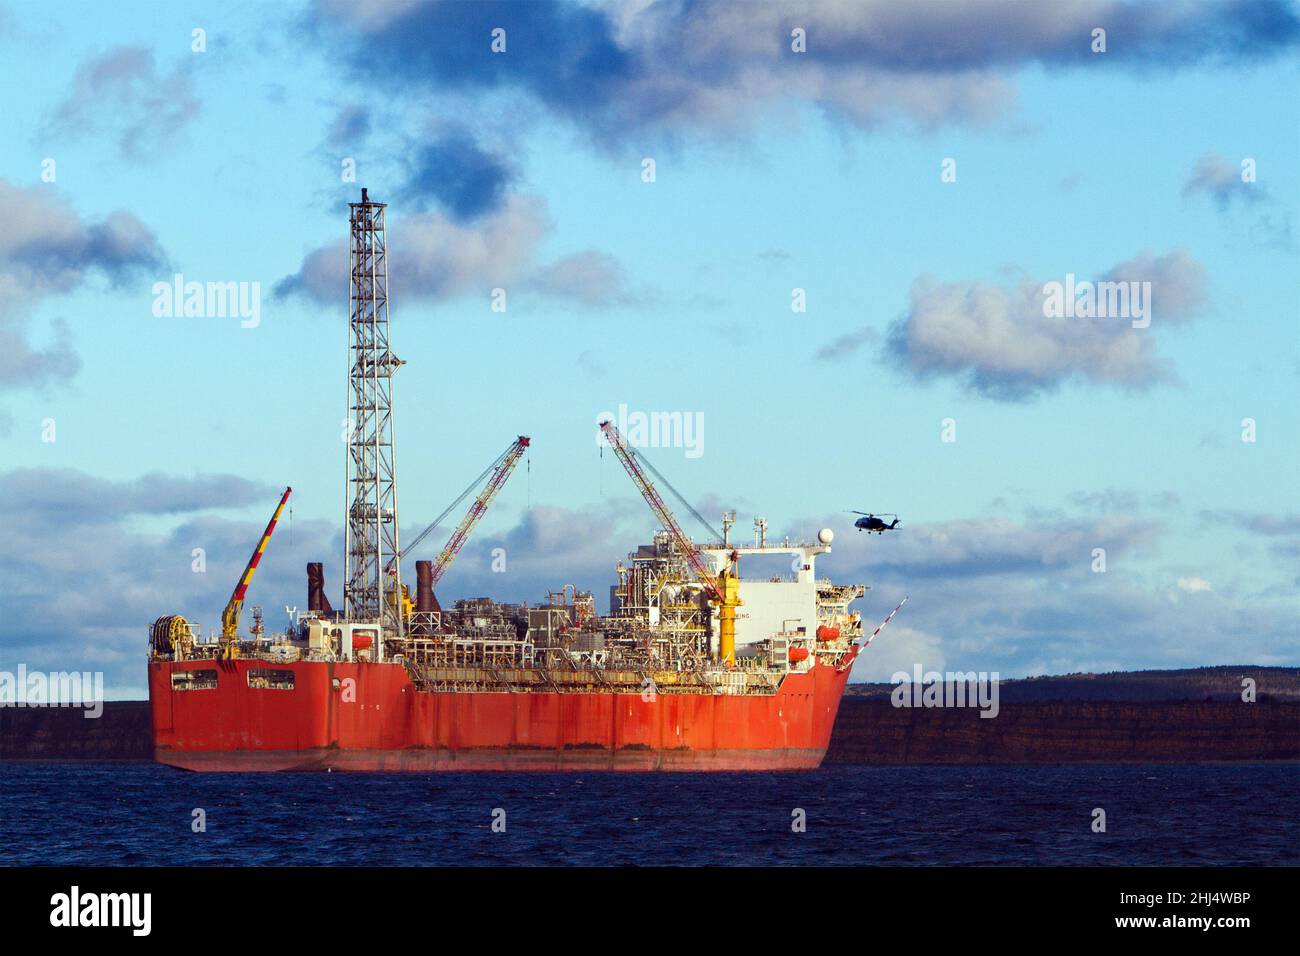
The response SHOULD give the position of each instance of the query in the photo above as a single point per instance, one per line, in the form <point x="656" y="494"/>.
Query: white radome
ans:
<point x="825" y="535"/>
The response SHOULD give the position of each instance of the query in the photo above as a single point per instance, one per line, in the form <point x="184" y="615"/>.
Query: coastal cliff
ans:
<point x="1150" y="717"/>
<point x="873" y="731"/>
<point x="1167" y="716"/>
<point x="122" y="732"/>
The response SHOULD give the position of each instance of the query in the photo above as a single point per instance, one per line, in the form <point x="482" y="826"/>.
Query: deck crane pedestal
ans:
<point x="722" y="587"/>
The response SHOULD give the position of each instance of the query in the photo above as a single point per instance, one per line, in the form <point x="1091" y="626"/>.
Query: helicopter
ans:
<point x="876" y="523"/>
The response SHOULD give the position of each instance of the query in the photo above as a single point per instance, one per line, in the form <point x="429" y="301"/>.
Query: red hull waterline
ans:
<point x="371" y="717"/>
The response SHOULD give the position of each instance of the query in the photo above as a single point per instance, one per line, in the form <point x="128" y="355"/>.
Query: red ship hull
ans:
<point x="381" y="722"/>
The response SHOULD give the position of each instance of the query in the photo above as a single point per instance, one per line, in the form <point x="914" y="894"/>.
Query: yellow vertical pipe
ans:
<point x="727" y="617"/>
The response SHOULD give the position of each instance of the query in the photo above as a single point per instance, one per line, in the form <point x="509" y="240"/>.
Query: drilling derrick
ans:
<point x="371" y="540"/>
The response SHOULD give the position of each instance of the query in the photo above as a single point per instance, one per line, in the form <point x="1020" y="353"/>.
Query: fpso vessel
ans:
<point x="674" y="677"/>
<point x="491" y="686"/>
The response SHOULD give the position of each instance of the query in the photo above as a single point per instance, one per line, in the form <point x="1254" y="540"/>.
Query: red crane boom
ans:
<point x="500" y="472"/>
<point x="628" y="458"/>
<point x="723" y="588"/>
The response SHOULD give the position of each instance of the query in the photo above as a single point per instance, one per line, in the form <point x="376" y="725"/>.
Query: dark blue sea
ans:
<point x="141" y="813"/>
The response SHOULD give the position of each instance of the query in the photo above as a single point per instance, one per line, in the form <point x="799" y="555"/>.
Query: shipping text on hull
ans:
<point x="245" y="715"/>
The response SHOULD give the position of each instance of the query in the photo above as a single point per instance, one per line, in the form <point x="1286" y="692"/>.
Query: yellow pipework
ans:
<point x="402" y="605"/>
<point x="729" y="585"/>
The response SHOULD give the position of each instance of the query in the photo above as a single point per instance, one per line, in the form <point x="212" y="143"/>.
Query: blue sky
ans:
<point x="774" y="171"/>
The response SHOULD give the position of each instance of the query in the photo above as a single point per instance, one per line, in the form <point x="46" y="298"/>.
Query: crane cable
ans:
<point x="678" y="495"/>
<point x="452" y="507"/>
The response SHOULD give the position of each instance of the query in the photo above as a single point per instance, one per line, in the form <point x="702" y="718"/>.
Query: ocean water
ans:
<point x="142" y="814"/>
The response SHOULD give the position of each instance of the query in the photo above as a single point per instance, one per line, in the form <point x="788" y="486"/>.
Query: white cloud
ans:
<point x="898" y="648"/>
<point x="634" y="68"/>
<point x="436" y="258"/>
<point x="120" y="93"/>
<point x="1000" y="343"/>
<point x="47" y="249"/>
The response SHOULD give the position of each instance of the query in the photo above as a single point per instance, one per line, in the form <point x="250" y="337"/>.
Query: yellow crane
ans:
<point x="230" y="616"/>
<point x="722" y="588"/>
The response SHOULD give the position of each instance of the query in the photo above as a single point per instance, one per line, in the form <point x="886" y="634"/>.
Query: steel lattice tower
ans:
<point x="372" y="573"/>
